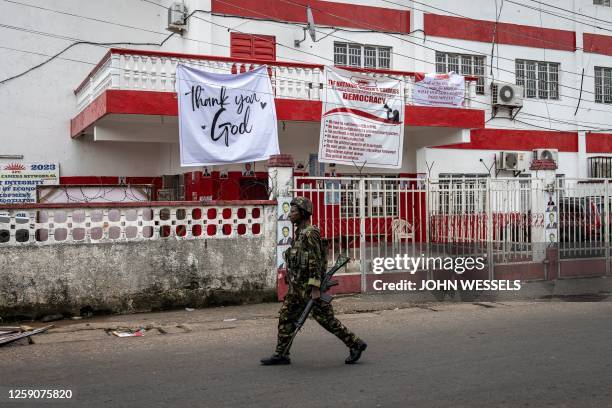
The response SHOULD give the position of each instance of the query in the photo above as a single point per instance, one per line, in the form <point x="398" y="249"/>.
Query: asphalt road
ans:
<point x="450" y="355"/>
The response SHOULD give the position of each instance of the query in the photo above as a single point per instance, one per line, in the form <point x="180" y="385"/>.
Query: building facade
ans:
<point x="106" y="111"/>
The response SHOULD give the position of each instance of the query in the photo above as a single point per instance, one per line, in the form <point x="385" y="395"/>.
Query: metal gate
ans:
<point x="584" y="225"/>
<point x="366" y="218"/>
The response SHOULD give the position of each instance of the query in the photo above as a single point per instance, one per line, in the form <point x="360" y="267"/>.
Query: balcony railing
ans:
<point x="92" y="223"/>
<point x="155" y="71"/>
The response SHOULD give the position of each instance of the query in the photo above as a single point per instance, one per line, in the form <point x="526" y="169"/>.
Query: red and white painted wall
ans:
<point x="36" y="109"/>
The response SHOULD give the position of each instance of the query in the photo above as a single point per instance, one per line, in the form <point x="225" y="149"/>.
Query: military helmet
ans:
<point x="303" y="203"/>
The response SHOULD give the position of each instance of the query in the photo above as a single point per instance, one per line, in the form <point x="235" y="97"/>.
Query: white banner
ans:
<point x="225" y="118"/>
<point x="18" y="181"/>
<point x="439" y="90"/>
<point x="362" y="120"/>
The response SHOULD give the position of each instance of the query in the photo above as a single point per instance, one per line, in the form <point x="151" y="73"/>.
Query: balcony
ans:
<point x="135" y="82"/>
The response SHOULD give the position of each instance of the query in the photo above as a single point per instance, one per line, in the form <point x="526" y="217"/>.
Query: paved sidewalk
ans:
<point x="487" y="354"/>
<point x="225" y="314"/>
<point x="222" y="318"/>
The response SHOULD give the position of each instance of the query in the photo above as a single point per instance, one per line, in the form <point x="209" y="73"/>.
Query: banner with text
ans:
<point x="439" y="90"/>
<point x="362" y="121"/>
<point x="225" y="118"/>
<point x="18" y="181"/>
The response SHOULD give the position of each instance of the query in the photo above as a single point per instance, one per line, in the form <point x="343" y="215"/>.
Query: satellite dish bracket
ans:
<point x="309" y="27"/>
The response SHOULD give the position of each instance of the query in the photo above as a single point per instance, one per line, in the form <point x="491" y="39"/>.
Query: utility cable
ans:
<point x="279" y="44"/>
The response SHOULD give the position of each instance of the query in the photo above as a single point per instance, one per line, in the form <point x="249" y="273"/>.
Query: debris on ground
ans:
<point x="189" y="309"/>
<point x="128" y="333"/>
<point x="21" y="334"/>
<point x="229" y="320"/>
<point x="9" y="329"/>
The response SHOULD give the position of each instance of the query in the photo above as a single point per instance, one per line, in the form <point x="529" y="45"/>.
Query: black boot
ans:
<point x="356" y="352"/>
<point x="276" y="359"/>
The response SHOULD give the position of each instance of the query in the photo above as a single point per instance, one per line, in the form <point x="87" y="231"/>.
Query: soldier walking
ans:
<point x="305" y="268"/>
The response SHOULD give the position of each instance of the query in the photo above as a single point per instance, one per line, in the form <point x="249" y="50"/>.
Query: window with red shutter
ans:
<point x="253" y="46"/>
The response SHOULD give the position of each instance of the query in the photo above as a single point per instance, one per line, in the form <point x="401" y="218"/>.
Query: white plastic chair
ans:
<point x="402" y="229"/>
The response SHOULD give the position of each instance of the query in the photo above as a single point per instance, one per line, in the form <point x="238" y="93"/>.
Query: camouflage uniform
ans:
<point x="304" y="269"/>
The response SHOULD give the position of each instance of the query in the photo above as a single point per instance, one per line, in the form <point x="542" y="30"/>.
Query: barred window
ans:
<point x="602" y="2"/>
<point x="462" y="193"/>
<point x="470" y="65"/>
<point x="384" y="58"/>
<point x="340" y="54"/>
<point x="369" y="54"/>
<point x="354" y="55"/>
<point x="381" y="197"/>
<point x="540" y="79"/>
<point x="603" y="85"/>
<point x="362" y="56"/>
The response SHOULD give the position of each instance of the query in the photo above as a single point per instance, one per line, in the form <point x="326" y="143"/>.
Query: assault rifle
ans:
<point x="326" y="283"/>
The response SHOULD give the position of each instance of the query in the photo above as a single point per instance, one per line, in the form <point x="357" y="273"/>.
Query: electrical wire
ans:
<point x="572" y="12"/>
<point x="533" y="100"/>
<point x="282" y="44"/>
<point x="559" y="16"/>
<point x="417" y="44"/>
<point x="204" y="11"/>
<point x="99" y="20"/>
<point x="159" y="5"/>
<point x="74" y="44"/>
<point x="470" y="19"/>
<point x="415" y="84"/>
<point x="479" y="21"/>
<point x="183" y="37"/>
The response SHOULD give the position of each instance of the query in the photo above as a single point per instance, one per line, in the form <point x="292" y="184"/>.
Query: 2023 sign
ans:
<point x="38" y="167"/>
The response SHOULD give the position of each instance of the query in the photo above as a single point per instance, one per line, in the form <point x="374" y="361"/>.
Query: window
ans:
<point x="603" y="85"/>
<point x="362" y="56"/>
<point x="462" y="193"/>
<point x="602" y="2"/>
<point x="381" y="197"/>
<point x="253" y="46"/>
<point x="539" y="79"/>
<point x="600" y="167"/>
<point x="471" y="65"/>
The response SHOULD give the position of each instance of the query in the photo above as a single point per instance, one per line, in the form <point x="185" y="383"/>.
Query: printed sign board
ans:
<point x="439" y="90"/>
<point x="362" y="122"/>
<point x="18" y="181"/>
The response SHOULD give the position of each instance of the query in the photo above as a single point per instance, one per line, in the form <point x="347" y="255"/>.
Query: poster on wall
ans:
<point x="249" y="169"/>
<point x="18" y="181"/>
<point x="550" y="221"/>
<point x="362" y="122"/>
<point x="284" y="234"/>
<point x="225" y="118"/>
<point x="439" y="90"/>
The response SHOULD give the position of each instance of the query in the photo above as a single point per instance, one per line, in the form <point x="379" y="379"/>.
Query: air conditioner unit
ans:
<point x="177" y="15"/>
<point x="507" y="95"/>
<point x="546" y="154"/>
<point x="513" y="161"/>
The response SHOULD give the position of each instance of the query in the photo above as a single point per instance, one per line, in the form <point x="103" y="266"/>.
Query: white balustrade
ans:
<point x="45" y="225"/>
<point x="158" y="73"/>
